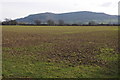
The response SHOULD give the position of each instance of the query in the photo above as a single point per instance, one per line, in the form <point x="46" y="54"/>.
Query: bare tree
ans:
<point x="50" y="22"/>
<point x="37" y="22"/>
<point x="61" y="22"/>
<point x="92" y="23"/>
<point x="7" y="19"/>
<point x="9" y="22"/>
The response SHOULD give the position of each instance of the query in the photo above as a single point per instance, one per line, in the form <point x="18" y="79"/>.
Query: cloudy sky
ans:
<point x="20" y="8"/>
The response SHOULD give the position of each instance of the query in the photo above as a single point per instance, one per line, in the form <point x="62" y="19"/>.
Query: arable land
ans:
<point x="60" y="51"/>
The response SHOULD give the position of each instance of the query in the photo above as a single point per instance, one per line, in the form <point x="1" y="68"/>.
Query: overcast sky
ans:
<point x="20" y="8"/>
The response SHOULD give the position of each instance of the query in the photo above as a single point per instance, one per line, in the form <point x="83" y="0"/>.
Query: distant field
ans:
<point x="60" y="51"/>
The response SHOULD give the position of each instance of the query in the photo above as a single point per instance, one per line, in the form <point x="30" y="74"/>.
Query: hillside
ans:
<point x="72" y="17"/>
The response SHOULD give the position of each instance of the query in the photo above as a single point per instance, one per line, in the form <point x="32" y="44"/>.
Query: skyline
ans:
<point x="21" y="8"/>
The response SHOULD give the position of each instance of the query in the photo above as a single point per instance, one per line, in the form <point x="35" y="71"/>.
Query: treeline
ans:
<point x="53" y="23"/>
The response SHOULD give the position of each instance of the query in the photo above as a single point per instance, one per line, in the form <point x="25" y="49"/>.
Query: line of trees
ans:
<point x="49" y="22"/>
<point x="53" y="23"/>
<point x="62" y="23"/>
<point x="9" y="22"/>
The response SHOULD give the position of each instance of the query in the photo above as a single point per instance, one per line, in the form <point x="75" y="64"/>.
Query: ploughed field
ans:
<point x="60" y="51"/>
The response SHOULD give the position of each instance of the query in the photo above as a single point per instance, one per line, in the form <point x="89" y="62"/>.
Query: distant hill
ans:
<point x="72" y="17"/>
